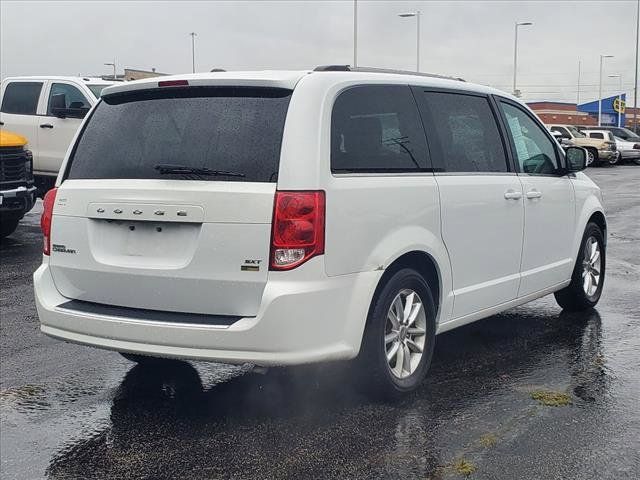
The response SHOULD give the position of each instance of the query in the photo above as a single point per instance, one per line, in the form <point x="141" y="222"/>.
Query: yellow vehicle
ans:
<point x="17" y="191"/>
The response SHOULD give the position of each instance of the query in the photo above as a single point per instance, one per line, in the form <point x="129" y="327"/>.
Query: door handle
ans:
<point x="1" y="123"/>
<point x="512" y="195"/>
<point x="46" y="125"/>
<point x="534" y="194"/>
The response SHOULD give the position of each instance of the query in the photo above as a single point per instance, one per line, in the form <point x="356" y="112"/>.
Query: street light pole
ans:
<point x="515" y="55"/>
<point x="416" y="14"/>
<point x="619" y="76"/>
<point x="193" y="51"/>
<point x="602" y="57"/>
<point x="355" y="33"/>
<point x="635" y="88"/>
<point x="112" y="64"/>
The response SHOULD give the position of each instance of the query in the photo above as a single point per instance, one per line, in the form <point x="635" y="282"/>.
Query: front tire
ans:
<point x="587" y="279"/>
<point x="399" y="338"/>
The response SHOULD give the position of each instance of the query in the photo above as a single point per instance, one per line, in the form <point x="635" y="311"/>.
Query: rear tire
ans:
<point x="399" y="339"/>
<point x="588" y="276"/>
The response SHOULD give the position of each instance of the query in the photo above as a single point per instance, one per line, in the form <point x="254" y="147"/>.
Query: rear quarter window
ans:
<point x="21" y="98"/>
<point x="377" y="128"/>
<point x="222" y="129"/>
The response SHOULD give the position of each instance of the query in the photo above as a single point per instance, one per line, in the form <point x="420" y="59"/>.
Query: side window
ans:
<point x="21" y="98"/>
<point x="377" y="128"/>
<point x="596" y="135"/>
<point x="73" y="97"/>
<point x="535" y="151"/>
<point x="466" y="131"/>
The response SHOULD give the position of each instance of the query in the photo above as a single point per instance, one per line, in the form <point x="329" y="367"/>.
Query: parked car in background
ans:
<point x="564" y="142"/>
<point x="283" y="218"/>
<point x="628" y="151"/>
<point x="47" y="111"/>
<point x="620" y="132"/>
<point x="606" y="135"/>
<point x="598" y="150"/>
<point x="17" y="191"/>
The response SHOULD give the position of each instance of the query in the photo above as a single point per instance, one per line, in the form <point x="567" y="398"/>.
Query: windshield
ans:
<point x="224" y="129"/>
<point x="96" y="89"/>
<point x="575" y="132"/>
<point x="631" y="137"/>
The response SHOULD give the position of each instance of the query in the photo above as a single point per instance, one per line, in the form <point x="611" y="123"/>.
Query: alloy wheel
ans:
<point x="591" y="266"/>
<point x="405" y="333"/>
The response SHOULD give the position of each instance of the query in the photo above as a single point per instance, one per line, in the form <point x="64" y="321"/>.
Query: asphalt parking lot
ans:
<point x="69" y="411"/>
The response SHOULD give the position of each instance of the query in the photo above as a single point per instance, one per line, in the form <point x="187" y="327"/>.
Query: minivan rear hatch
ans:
<point x="167" y="200"/>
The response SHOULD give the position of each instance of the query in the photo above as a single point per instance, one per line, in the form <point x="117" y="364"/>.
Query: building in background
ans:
<point x="612" y="108"/>
<point x="562" y="113"/>
<point x="134" y="74"/>
<point x="586" y="113"/>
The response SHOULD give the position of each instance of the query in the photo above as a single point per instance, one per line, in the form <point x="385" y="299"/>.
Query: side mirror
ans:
<point x="58" y="104"/>
<point x="58" y="107"/>
<point x="576" y="159"/>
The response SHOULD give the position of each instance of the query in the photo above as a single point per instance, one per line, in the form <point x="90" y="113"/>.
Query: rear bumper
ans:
<point x="19" y="200"/>
<point x="607" y="154"/>
<point x="304" y="317"/>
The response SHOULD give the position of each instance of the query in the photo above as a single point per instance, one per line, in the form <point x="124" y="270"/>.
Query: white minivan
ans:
<point x="290" y="217"/>
<point x="47" y="111"/>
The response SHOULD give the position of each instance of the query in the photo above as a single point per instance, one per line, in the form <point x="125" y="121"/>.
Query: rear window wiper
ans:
<point x="167" y="169"/>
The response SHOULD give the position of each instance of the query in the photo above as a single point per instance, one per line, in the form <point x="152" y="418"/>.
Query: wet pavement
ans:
<point x="68" y="411"/>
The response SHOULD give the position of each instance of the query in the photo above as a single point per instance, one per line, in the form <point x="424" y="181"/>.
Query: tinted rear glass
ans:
<point x="377" y="128"/>
<point x="21" y="98"/>
<point x="466" y="132"/>
<point x="224" y="129"/>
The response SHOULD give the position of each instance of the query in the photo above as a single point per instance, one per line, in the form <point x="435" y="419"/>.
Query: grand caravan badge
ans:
<point x="56" y="247"/>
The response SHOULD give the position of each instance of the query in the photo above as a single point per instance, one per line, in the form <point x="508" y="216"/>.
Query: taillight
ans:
<point x="45" y="220"/>
<point x="297" y="230"/>
<point x="173" y="83"/>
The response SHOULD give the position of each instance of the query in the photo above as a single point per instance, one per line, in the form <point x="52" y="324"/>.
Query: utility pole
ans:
<point x="355" y="33"/>
<point x="193" y="51"/>
<point x="579" y="71"/>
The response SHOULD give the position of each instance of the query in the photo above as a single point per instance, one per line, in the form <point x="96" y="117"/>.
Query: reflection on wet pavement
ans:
<point x="164" y="421"/>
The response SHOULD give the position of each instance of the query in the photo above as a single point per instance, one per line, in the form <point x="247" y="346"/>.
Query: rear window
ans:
<point x="234" y="132"/>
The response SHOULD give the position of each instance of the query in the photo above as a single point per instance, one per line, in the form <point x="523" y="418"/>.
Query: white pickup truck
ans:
<point x="47" y="111"/>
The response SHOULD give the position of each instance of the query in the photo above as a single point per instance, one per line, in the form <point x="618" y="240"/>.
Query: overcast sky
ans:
<point x="473" y="40"/>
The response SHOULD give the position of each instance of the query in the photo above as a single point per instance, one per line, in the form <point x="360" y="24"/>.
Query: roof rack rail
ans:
<point x="333" y="68"/>
<point x="348" y="68"/>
